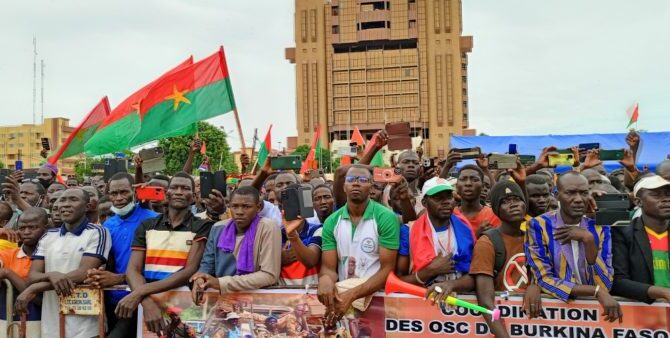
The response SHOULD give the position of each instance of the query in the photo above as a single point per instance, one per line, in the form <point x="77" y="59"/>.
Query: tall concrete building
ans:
<point x="368" y="62"/>
<point x="24" y="141"/>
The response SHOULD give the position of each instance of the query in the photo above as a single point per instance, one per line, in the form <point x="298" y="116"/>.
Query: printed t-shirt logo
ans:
<point x="515" y="277"/>
<point x="368" y="245"/>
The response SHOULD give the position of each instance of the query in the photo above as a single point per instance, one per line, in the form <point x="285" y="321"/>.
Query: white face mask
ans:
<point x="123" y="211"/>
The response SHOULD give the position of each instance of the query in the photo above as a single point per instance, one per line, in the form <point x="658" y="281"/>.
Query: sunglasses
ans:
<point x="359" y="179"/>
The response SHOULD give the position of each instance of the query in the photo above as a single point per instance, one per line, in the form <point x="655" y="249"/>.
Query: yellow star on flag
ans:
<point x="178" y="96"/>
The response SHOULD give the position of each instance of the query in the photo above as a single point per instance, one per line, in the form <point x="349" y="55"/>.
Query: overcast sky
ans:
<point x="537" y="67"/>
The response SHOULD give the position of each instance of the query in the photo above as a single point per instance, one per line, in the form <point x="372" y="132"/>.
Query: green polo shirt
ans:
<point x="386" y="222"/>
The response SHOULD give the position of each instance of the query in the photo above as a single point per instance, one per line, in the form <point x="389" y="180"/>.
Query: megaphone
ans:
<point x="395" y="284"/>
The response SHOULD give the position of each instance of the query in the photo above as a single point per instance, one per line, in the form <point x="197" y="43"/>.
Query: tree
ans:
<point x="218" y="151"/>
<point x="2" y="165"/>
<point x="85" y="167"/>
<point x="483" y="134"/>
<point x="324" y="159"/>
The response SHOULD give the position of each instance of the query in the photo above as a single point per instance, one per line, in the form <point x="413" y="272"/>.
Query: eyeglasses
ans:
<point x="359" y="179"/>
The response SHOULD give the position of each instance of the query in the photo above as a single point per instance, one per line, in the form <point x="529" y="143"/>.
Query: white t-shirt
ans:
<point x="62" y="251"/>
<point x="272" y="212"/>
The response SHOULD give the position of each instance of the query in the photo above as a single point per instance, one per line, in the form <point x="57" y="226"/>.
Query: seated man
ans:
<point x="469" y="188"/>
<point x="60" y="262"/>
<point x="539" y="191"/>
<point x="440" y="242"/>
<point x="569" y="255"/>
<point x="46" y="174"/>
<point x="242" y="253"/>
<point x="539" y="194"/>
<point x="105" y="209"/>
<point x="324" y="204"/>
<point x="360" y="240"/>
<point x="301" y="244"/>
<point x="122" y="227"/>
<point x="641" y="267"/>
<point x="8" y="237"/>
<point x="166" y="251"/>
<point x="53" y="188"/>
<point x="15" y="266"/>
<point x="489" y="271"/>
<point x="92" y="213"/>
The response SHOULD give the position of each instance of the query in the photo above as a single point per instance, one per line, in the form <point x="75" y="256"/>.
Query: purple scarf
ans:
<point x="245" y="259"/>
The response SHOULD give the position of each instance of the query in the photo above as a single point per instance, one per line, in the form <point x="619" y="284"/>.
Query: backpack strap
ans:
<point x="499" y="246"/>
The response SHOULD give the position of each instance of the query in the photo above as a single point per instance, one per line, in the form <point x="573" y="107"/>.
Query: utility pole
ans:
<point x="34" y="77"/>
<point x="42" y="92"/>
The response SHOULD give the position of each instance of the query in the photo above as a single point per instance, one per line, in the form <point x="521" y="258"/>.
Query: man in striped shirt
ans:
<point x="166" y="251"/>
<point x="568" y="253"/>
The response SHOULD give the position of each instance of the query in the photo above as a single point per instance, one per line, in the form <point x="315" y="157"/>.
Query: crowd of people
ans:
<point x="453" y="227"/>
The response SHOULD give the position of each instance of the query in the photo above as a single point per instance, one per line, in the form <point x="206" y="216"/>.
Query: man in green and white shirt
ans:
<point x="360" y="240"/>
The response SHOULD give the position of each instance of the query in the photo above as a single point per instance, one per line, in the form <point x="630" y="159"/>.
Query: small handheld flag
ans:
<point x="633" y="114"/>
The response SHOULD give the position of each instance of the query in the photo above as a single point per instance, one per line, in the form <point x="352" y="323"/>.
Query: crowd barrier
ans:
<point x="298" y="312"/>
<point x="406" y="316"/>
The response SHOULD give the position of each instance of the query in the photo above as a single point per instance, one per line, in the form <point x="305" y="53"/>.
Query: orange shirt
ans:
<point x="485" y="215"/>
<point x="16" y="260"/>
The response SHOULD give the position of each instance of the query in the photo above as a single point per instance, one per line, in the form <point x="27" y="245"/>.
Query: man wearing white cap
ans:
<point x="641" y="263"/>
<point x="233" y="322"/>
<point x="440" y="241"/>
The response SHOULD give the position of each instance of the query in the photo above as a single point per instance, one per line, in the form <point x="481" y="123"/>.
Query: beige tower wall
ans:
<point x="366" y="63"/>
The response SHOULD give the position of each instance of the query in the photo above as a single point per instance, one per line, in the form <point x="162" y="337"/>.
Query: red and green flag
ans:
<point x="633" y="114"/>
<point x="74" y="144"/>
<point x="357" y="137"/>
<point x="265" y="149"/>
<point x="182" y="98"/>
<point x="311" y="155"/>
<point x="118" y="129"/>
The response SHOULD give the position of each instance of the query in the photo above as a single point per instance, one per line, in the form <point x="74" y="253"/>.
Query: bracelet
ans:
<point x="595" y="294"/>
<point x="416" y="275"/>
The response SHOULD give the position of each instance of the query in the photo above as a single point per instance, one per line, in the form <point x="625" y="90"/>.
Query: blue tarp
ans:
<point x="654" y="147"/>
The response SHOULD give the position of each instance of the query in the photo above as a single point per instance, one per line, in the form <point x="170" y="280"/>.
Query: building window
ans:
<point x="412" y="23"/>
<point x="465" y="79"/>
<point x="336" y="29"/>
<point x="335" y="11"/>
<point x="375" y="6"/>
<point x="373" y="25"/>
<point x="465" y="104"/>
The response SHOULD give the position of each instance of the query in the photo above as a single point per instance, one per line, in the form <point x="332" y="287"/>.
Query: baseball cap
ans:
<point x="435" y="185"/>
<point x="651" y="183"/>
<point x="232" y="315"/>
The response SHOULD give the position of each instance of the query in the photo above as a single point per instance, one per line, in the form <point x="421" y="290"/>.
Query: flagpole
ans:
<point x="239" y="129"/>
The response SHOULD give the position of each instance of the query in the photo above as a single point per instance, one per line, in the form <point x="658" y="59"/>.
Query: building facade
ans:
<point x="364" y="63"/>
<point x="24" y="142"/>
